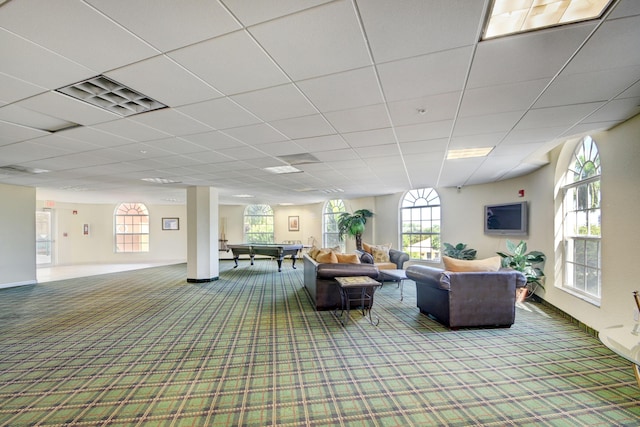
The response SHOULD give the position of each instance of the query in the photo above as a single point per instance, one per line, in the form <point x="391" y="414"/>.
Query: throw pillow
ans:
<point x="328" y="257"/>
<point x="380" y="254"/>
<point x="348" y="258"/>
<point x="367" y="247"/>
<point x="461" y="265"/>
<point x="313" y="252"/>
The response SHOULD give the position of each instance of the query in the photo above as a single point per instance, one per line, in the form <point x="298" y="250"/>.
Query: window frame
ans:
<point x="264" y="220"/>
<point x="330" y="236"/>
<point x="131" y="232"/>
<point x="409" y="204"/>
<point x="582" y="251"/>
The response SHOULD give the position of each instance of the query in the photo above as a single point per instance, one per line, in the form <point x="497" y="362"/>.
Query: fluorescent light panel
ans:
<point x="282" y="169"/>
<point x="517" y="16"/>
<point x="466" y="153"/>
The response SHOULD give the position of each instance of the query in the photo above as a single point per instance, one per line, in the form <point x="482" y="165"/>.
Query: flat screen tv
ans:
<point x="506" y="219"/>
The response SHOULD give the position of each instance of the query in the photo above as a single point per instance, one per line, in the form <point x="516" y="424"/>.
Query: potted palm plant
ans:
<point x="353" y="225"/>
<point x="530" y="264"/>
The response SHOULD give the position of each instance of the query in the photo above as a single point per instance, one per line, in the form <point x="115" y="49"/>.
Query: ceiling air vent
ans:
<point x="20" y="170"/>
<point x="110" y="95"/>
<point x="299" y="159"/>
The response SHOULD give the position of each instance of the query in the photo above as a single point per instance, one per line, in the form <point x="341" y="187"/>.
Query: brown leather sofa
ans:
<point x="467" y="299"/>
<point x="319" y="280"/>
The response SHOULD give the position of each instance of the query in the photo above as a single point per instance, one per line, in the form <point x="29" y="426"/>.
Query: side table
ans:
<point x="398" y="275"/>
<point x="367" y="287"/>
<point x="624" y="340"/>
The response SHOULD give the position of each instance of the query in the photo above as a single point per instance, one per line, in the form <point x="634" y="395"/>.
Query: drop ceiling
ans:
<point x="375" y="91"/>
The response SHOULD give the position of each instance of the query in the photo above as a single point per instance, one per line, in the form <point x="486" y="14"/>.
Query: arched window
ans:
<point x="330" y="236"/>
<point x="581" y="220"/>
<point x="420" y="216"/>
<point x="132" y="227"/>
<point x="258" y="224"/>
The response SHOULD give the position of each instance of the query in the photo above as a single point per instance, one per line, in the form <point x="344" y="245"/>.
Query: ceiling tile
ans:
<point x="150" y="77"/>
<point x="172" y="122"/>
<point x="276" y="103"/>
<point x="57" y="30"/>
<point x="501" y="98"/>
<point x="220" y="113"/>
<point x="28" y="60"/>
<point x="426" y="109"/>
<point x="304" y="127"/>
<point x="64" y="107"/>
<point x="256" y="134"/>
<point x="566" y="115"/>
<point x="213" y="140"/>
<point x="319" y="41"/>
<point x="488" y="123"/>
<point x="15" y="89"/>
<point x="129" y="129"/>
<point x="369" y="137"/>
<point x="588" y="87"/>
<point x="250" y="13"/>
<point x="425" y="75"/>
<point x="411" y="28"/>
<point x="525" y="57"/>
<point x="341" y="91"/>
<point x="232" y="64"/>
<point x="615" y="44"/>
<point x="424" y="131"/>
<point x="359" y="119"/>
<point x="321" y="143"/>
<point x="10" y="133"/>
<point x="168" y="25"/>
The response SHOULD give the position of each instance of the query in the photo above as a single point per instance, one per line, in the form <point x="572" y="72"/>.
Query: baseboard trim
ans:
<point x="584" y="327"/>
<point x="213" y="279"/>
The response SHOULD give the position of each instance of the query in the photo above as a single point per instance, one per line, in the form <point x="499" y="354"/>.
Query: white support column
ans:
<point x="202" y="234"/>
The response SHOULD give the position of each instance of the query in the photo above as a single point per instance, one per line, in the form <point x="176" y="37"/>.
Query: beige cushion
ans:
<point x="461" y="265"/>
<point x="367" y="247"/>
<point x="348" y="258"/>
<point x="328" y="257"/>
<point x="386" y="266"/>
<point x="380" y="254"/>
<point x="313" y="252"/>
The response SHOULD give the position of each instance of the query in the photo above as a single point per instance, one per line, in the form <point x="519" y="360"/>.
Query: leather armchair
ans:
<point x="468" y="299"/>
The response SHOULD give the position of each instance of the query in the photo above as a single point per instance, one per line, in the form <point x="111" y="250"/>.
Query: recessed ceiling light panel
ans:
<point x="466" y="153"/>
<point x="282" y="169"/>
<point x="110" y="95"/>
<point x="510" y="17"/>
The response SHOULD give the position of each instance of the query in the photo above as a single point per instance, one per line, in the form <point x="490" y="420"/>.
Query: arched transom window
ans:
<point x="582" y="226"/>
<point x="131" y="228"/>
<point x="330" y="235"/>
<point x="420" y="224"/>
<point x="258" y="224"/>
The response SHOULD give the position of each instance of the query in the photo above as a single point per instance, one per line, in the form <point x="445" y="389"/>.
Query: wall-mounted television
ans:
<point x="506" y="219"/>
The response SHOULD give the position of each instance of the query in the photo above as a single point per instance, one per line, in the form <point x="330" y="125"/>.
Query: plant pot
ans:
<point x="521" y="294"/>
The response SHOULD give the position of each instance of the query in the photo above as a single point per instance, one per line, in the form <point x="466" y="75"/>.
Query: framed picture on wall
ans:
<point x="294" y="223"/>
<point x="171" y="223"/>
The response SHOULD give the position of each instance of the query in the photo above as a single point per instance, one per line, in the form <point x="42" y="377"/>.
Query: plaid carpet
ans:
<point x="148" y="348"/>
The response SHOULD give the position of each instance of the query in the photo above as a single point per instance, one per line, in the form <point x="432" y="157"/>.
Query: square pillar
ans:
<point x="202" y="235"/>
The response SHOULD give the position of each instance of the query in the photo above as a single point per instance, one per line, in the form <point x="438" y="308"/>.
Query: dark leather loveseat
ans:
<point x="319" y="280"/>
<point x="467" y="299"/>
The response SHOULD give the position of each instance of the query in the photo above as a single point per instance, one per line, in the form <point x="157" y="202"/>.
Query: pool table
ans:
<point x="274" y="250"/>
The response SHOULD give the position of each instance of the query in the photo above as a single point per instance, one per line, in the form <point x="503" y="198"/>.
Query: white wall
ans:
<point x="71" y="246"/>
<point x="17" y="235"/>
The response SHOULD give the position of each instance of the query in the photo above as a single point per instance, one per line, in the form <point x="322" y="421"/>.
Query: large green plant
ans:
<point x="353" y="225"/>
<point x="528" y="263"/>
<point x="459" y="251"/>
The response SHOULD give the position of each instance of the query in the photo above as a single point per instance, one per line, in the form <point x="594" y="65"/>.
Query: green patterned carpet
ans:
<point x="148" y="348"/>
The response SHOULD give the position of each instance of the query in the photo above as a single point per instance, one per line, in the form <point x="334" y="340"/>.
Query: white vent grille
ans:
<point x="110" y="95"/>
